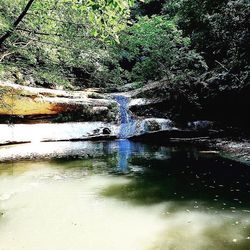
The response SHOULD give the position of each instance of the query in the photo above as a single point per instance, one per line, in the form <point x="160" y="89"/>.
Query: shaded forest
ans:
<point x="197" y="49"/>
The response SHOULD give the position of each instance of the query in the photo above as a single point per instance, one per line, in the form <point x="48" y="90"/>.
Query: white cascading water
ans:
<point x="127" y="124"/>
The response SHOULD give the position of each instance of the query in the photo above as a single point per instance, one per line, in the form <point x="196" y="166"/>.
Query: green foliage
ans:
<point x="66" y="36"/>
<point x="220" y="31"/>
<point x="44" y="77"/>
<point x="158" y="50"/>
<point x="170" y="44"/>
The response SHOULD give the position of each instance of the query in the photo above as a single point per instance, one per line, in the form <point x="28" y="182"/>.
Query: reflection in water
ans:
<point x="123" y="155"/>
<point x="124" y="152"/>
<point x="162" y="198"/>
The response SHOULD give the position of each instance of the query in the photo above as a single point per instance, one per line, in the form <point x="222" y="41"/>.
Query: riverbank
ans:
<point x="237" y="149"/>
<point x="234" y="149"/>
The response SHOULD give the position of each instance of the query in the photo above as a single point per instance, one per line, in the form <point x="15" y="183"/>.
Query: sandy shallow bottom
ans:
<point x="46" y="207"/>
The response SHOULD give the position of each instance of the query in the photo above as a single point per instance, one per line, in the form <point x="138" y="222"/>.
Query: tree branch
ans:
<point x="16" y="23"/>
<point x="3" y="55"/>
<point x="39" y="33"/>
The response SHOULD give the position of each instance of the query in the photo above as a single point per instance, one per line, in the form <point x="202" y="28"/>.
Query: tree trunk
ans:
<point x="16" y="23"/>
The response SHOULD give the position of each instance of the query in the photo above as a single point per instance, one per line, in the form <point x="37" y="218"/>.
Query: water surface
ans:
<point x="123" y="196"/>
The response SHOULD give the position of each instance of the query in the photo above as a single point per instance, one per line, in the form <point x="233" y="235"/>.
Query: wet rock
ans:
<point x="152" y="125"/>
<point x="96" y="131"/>
<point x="100" y="110"/>
<point x="156" y="124"/>
<point x="106" y="131"/>
<point x="141" y="102"/>
<point x="201" y="125"/>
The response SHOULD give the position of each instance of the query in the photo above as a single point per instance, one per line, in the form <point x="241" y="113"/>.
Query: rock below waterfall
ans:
<point x="152" y="125"/>
<point x="106" y="131"/>
<point x="157" y="124"/>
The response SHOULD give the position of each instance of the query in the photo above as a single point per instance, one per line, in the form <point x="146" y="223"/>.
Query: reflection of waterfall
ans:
<point x="124" y="152"/>
<point x="127" y="126"/>
<point x="126" y="149"/>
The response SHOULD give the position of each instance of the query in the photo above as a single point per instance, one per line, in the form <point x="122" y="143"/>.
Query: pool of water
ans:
<point x="127" y="196"/>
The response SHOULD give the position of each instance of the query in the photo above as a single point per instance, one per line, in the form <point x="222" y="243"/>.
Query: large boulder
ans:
<point x="157" y="124"/>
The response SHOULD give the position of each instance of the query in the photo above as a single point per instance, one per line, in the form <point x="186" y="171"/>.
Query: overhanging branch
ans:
<point x="16" y="23"/>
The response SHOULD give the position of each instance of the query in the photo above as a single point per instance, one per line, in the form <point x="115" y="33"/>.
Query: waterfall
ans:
<point x="125" y="117"/>
<point x="127" y="124"/>
<point x="133" y="127"/>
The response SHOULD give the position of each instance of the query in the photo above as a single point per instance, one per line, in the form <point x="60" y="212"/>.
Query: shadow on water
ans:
<point x="205" y="189"/>
<point x="159" y="174"/>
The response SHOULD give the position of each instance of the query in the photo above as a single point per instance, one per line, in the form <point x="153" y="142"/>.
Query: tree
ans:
<point x="67" y="38"/>
<point x="16" y="23"/>
<point x="157" y="49"/>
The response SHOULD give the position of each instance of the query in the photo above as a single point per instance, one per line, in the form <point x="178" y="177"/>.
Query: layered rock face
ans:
<point x="98" y="116"/>
<point x="80" y="115"/>
<point x="29" y="103"/>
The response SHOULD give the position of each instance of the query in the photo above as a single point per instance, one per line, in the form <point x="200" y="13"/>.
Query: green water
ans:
<point x="128" y="196"/>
